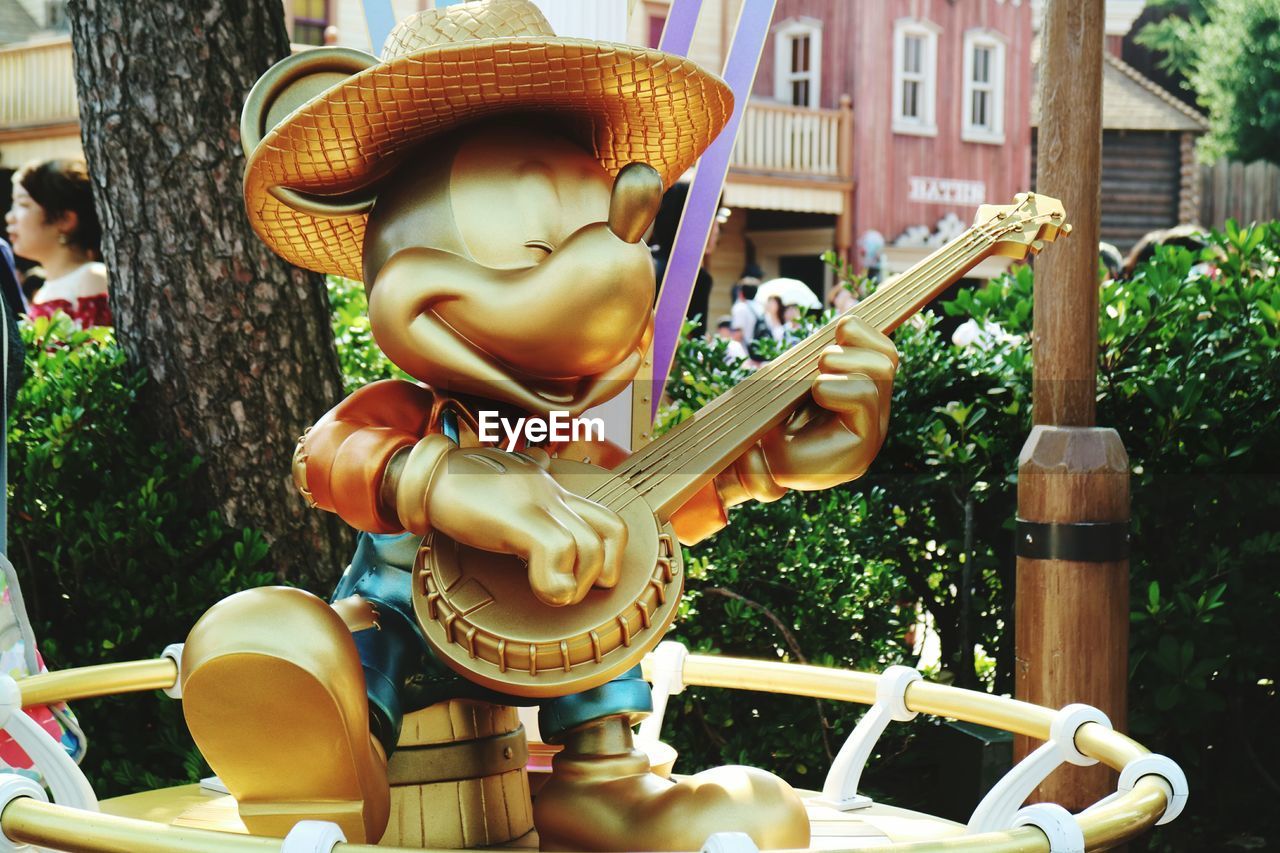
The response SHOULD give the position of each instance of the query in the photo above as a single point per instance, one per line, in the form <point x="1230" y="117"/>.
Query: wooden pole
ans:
<point x="1072" y="615"/>
<point x="1072" y="608"/>
<point x="844" y="157"/>
<point x="1069" y="168"/>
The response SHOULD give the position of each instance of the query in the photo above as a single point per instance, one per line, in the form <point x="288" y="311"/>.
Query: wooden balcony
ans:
<point x="794" y="142"/>
<point x="792" y="158"/>
<point x="37" y="89"/>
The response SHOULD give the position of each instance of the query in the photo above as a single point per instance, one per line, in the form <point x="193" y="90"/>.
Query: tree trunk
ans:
<point x="236" y="343"/>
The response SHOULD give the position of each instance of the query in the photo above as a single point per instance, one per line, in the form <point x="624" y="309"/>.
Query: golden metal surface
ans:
<point x="288" y="85"/>
<point x="996" y="711"/>
<point x="602" y="796"/>
<point x="437" y="73"/>
<point x="486" y="620"/>
<point x="772" y="677"/>
<point x="485" y="258"/>
<point x="274" y="696"/>
<point x="481" y="800"/>
<point x="60" y="828"/>
<point x="637" y="195"/>
<point x="469" y="759"/>
<point x="67" y="685"/>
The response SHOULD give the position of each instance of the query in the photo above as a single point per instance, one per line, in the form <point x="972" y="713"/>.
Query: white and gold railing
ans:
<point x="1152" y="790"/>
<point x="794" y="141"/>
<point x="37" y="85"/>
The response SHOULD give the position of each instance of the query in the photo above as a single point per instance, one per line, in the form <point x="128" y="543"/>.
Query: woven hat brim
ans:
<point x="628" y="104"/>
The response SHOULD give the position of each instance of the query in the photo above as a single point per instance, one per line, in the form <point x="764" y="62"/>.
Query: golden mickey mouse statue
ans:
<point x="490" y="183"/>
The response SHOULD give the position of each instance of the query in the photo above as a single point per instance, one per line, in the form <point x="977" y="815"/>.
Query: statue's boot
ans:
<point x="602" y="796"/>
<point x="274" y="696"/>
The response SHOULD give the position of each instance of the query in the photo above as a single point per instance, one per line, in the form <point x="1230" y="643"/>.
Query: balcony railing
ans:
<point x="788" y="141"/>
<point x="37" y="85"/>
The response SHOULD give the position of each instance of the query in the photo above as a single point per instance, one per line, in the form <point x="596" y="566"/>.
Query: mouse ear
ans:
<point x="286" y="86"/>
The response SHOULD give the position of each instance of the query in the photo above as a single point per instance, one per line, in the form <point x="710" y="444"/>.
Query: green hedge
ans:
<point x="115" y="557"/>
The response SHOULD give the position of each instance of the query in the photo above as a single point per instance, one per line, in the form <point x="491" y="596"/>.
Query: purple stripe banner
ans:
<point x="677" y="32"/>
<point x="704" y="195"/>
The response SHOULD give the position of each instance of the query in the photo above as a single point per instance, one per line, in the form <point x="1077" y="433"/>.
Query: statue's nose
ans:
<point x="637" y="194"/>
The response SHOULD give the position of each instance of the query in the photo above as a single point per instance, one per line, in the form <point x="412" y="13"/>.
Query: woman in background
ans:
<point x="773" y="317"/>
<point x="53" y="222"/>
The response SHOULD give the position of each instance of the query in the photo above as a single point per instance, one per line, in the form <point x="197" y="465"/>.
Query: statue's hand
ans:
<point x="508" y="503"/>
<point x="832" y="438"/>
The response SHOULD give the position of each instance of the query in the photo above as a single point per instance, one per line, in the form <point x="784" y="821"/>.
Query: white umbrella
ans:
<point x="790" y="291"/>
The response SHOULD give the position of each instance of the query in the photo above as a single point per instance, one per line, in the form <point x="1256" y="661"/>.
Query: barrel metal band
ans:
<point x="468" y="759"/>
<point x="1078" y="542"/>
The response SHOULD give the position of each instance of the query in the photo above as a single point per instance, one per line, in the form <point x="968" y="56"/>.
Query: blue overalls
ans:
<point x="403" y="675"/>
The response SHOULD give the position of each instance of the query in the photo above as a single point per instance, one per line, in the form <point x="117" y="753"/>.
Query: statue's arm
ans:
<point x="350" y="462"/>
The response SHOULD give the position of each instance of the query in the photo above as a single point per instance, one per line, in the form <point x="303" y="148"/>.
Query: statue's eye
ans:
<point x="540" y="245"/>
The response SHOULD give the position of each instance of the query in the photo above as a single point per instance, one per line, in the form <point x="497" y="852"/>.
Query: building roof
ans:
<point x="16" y="23"/>
<point x="1131" y="101"/>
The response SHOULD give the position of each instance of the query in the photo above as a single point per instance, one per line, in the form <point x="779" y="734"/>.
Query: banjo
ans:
<point x="476" y="607"/>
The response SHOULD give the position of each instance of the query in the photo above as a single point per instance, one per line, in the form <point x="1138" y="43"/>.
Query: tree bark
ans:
<point x="236" y="343"/>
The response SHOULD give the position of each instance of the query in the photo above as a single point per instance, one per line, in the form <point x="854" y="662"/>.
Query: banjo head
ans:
<point x="481" y="617"/>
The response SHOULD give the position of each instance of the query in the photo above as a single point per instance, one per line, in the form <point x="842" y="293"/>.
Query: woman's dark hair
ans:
<point x="62" y="186"/>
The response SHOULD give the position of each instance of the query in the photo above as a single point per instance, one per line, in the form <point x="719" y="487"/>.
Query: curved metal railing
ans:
<point x="1153" y="792"/>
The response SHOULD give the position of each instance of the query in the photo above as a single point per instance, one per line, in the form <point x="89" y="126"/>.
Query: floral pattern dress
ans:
<point x="86" y="311"/>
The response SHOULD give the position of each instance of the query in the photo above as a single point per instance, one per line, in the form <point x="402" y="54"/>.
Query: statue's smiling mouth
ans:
<point x="557" y="392"/>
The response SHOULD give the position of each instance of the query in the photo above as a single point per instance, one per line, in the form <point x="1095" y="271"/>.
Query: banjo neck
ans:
<point x="671" y="469"/>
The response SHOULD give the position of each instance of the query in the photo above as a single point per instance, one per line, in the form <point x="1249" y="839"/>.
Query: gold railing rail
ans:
<point x="794" y="141"/>
<point x="1115" y="822"/>
<point x="37" y="84"/>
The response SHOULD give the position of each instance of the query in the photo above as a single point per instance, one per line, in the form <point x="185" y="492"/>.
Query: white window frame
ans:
<point x="783" y="76"/>
<point x="970" y="132"/>
<point x="926" y="123"/>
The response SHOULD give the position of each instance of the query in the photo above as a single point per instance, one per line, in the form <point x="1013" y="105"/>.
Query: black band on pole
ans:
<point x="1079" y="542"/>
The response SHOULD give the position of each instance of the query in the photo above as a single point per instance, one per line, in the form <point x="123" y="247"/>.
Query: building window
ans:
<point x="56" y="17"/>
<point x="798" y="63"/>
<point x="656" y="23"/>
<point x="310" y="18"/>
<point x="983" y="103"/>
<point x="915" y="73"/>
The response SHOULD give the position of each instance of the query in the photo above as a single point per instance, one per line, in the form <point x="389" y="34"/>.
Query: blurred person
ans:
<point x="31" y="279"/>
<point x="773" y="317"/>
<point x="1111" y="260"/>
<point x="792" y="330"/>
<point x="735" y="351"/>
<point x="744" y="315"/>
<point x="12" y="306"/>
<point x="1190" y="237"/>
<point x="10" y="281"/>
<point x="662" y="238"/>
<point x="871" y="253"/>
<point x="53" y="222"/>
<point x="843" y="298"/>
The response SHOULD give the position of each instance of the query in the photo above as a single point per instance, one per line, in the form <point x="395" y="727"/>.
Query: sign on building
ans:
<point x="945" y="191"/>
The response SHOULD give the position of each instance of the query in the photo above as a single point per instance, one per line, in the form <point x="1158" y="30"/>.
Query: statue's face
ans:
<point x="497" y="275"/>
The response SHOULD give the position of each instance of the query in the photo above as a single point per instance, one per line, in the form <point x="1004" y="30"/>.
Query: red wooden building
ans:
<point x="880" y="116"/>
<point x="941" y="95"/>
